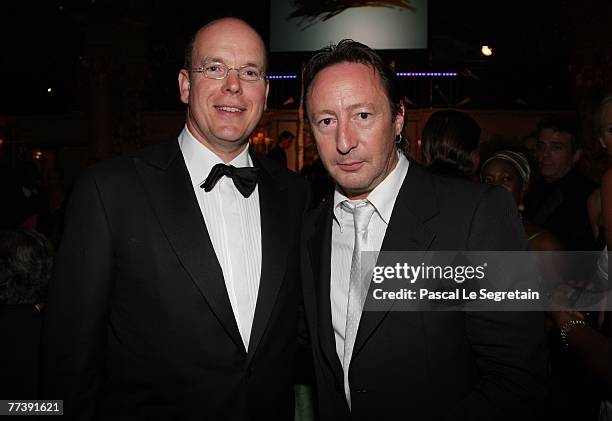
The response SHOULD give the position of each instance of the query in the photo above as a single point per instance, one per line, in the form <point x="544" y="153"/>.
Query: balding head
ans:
<point x="235" y="25"/>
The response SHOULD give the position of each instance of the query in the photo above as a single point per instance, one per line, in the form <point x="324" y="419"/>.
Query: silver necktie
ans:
<point x="362" y="213"/>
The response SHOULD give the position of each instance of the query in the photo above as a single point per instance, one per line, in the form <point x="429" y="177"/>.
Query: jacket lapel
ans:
<point x="274" y="231"/>
<point x="319" y="251"/>
<point x="407" y="231"/>
<point x="166" y="180"/>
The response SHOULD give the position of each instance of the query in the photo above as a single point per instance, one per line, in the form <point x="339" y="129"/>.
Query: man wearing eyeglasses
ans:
<point x="176" y="289"/>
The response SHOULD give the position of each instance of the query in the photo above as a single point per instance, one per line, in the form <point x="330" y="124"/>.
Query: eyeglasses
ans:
<point x="219" y="71"/>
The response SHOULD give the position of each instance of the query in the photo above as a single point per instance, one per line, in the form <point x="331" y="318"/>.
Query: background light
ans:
<point x="486" y="51"/>
<point x="282" y="76"/>
<point x="400" y="74"/>
<point x="426" y="74"/>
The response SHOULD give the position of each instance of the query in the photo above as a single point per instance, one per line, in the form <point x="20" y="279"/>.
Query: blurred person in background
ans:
<point x="558" y="201"/>
<point x="511" y="170"/>
<point x="450" y="142"/>
<point x="25" y="268"/>
<point x="277" y="153"/>
<point x="602" y="125"/>
<point x="26" y="204"/>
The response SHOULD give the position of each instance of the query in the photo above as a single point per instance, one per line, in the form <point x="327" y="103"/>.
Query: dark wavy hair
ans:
<point x="562" y="124"/>
<point x="448" y="141"/>
<point x="349" y="51"/>
<point x="26" y="259"/>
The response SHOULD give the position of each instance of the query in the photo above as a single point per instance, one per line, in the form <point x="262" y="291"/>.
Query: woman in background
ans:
<point x="602" y="126"/>
<point x="511" y="170"/>
<point x="450" y="144"/>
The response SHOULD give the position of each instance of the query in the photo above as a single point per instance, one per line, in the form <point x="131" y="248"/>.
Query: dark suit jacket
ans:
<point x="561" y="208"/>
<point x="139" y="324"/>
<point x="428" y="365"/>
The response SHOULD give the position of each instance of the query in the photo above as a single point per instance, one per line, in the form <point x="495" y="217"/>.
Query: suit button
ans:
<point x="361" y="391"/>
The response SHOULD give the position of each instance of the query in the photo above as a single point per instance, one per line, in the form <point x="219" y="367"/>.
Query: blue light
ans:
<point x="399" y="74"/>
<point x="426" y="74"/>
<point x="282" y="77"/>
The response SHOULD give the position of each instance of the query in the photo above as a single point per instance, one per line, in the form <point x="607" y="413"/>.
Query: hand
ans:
<point x="562" y="317"/>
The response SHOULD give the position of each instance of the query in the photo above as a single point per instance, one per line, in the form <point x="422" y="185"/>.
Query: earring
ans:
<point x="521" y="207"/>
<point x="399" y="139"/>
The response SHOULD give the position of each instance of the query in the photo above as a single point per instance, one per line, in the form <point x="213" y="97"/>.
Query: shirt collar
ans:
<point x="200" y="159"/>
<point x="382" y="197"/>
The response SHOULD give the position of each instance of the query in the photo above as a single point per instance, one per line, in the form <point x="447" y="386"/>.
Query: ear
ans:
<point x="266" y="98"/>
<point x="602" y="143"/>
<point x="184" y="86"/>
<point x="399" y="118"/>
<point x="577" y="155"/>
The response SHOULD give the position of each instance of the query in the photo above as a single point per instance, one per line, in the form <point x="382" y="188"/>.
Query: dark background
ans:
<point x="89" y="79"/>
<point x="546" y="53"/>
<point x="85" y="80"/>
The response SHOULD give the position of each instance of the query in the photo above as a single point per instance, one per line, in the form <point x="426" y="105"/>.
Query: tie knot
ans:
<point x="362" y="213"/>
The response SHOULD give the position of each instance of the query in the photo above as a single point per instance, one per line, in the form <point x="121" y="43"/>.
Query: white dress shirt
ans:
<point x="234" y="226"/>
<point x="343" y="236"/>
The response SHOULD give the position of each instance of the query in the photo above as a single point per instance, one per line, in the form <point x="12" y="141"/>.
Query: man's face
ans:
<point x="555" y="155"/>
<point x="223" y="113"/>
<point x="353" y="126"/>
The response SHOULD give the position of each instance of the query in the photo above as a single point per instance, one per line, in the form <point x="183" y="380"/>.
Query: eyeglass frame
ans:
<point x="202" y="69"/>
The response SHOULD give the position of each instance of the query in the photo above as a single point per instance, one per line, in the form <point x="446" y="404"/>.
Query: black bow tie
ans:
<point x="245" y="179"/>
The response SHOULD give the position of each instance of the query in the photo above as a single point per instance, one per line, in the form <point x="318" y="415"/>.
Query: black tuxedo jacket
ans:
<point x="428" y="365"/>
<point x="139" y="324"/>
